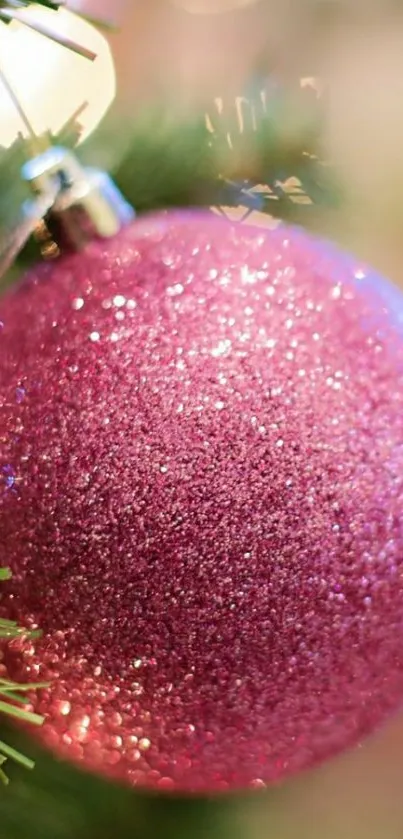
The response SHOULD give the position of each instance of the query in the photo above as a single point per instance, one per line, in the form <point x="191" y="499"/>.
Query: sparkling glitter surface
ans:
<point x="201" y="486"/>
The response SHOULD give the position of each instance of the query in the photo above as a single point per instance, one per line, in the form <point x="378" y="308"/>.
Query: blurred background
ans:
<point x="291" y="109"/>
<point x="176" y="58"/>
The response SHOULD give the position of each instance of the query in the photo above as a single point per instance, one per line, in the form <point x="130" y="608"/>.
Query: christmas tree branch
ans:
<point x="13" y="695"/>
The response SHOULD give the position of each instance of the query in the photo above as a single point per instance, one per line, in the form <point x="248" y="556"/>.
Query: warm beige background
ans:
<point x="163" y="52"/>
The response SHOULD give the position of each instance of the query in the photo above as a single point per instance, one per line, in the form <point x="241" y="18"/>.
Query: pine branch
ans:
<point x="13" y="695"/>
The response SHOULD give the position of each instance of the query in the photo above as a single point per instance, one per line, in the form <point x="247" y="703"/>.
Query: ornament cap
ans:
<point x="87" y="203"/>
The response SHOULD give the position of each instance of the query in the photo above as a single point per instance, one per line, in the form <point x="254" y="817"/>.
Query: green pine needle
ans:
<point x="12" y="695"/>
<point x="6" y="686"/>
<point x="19" y="713"/>
<point x="3" y="777"/>
<point x="8" y="751"/>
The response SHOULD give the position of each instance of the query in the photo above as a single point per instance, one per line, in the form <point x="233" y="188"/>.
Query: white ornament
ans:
<point x="52" y="83"/>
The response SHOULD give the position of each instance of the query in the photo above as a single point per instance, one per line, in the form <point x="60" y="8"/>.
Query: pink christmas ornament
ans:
<point x="201" y="501"/>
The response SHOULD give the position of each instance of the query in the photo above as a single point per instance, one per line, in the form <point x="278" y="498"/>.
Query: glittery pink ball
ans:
<point x="201" y="495"/>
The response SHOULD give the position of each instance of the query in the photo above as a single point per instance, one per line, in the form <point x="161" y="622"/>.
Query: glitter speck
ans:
<point x="221" y="348"/>
<point x="8" y="477"/>
<point x="144" y="744"/>
<point x="78" y="303"/>
<point x="175" y="290"/>
<point x="247" y="276"/>
<point x="94" y="336"/>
